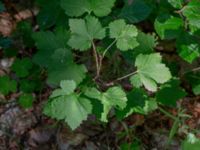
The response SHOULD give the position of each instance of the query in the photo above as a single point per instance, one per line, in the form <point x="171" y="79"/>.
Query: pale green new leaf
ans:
<point x="84" y="32"/>
<point x="125" y="35"/>
<point x="70" y="108"/>
<point x="66" y="105"/>
<point x="151" y="71"/>
<point x="75" y="8"/>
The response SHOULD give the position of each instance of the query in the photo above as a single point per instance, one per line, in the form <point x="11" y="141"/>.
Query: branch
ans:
<point x="193" y="70"/>
<point x="104" y="53"/>
<point x="126" y="76"/>
<point x="121" y="78"/>
<point x="96" y="59"/>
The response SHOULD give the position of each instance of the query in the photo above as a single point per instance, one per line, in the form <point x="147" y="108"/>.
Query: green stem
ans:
<point x="126" y="76"/>
<point x="193" y="70"/>
<point x="173" y="131"/>
<point x="167" y="113"/>
<point x="105" y="51"/>
<point x="102" y="57"/>
<point x="121" y="78"/>
<point x="96" y="58"/>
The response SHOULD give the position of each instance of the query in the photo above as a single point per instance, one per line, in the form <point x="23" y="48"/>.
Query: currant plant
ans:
<point x="100" y="28"/>
<point x="88" y="50"/>
<point x="73" y="101"/>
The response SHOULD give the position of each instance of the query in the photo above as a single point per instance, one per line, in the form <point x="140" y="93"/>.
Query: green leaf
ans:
<point x="47" y="43"/>
<point x="22" y="67"/>
<point x="192" y="13"/>
<point x="70" y="108"/>
<point x="151" y="70"/>
<point x="150" y="105"/>
<point x="176" y="3"/>
<point x="26" y="100"/>
<point x="188" y="47"/>
<point x="7" y="85"/>
<point x="93" y="93"/>
<point x="135" y="11"/>
<point x="136" y="98"/>
<point x="168" y="27"/>
<point x="66" y="72"/>
<point x="46" y="18"/>
<point x="196" y="89"/>
<point x="124" y="34"/>
<point x="55" y="55"/>
<point x="191" y="138"/>
<point x="24" y="31"/>
<point x="67" y="105"/>
<point x="75" y="8"/>
<point x="27" y="85"/>
<point x="113" y="97"/>
<point x="130" y="146"/>
<point x="84" y="32"/>
<point x="147" y="43"/>
<point x="62" y="68"/>
<point x="135" y="81"/>
<point x="67" y="87"/>
<point x="194" y="80"/>
<point x="190" y="145"/>
<point x="170" y="93"/>
<point x="101" y="8"/>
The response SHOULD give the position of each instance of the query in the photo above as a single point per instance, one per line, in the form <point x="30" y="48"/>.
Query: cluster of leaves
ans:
<point x="55" y="53"/>
<point x="105" y="28"/>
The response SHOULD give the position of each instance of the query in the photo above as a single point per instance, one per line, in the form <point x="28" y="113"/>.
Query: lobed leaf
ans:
<point x="151" y="71"/>
<point x="75" y="8"/>
<point x="125" y="35"/>
<point x="84" y="32"/>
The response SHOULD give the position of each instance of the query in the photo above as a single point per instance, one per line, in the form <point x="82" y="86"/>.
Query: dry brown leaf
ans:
<point x="7" y="24"/>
